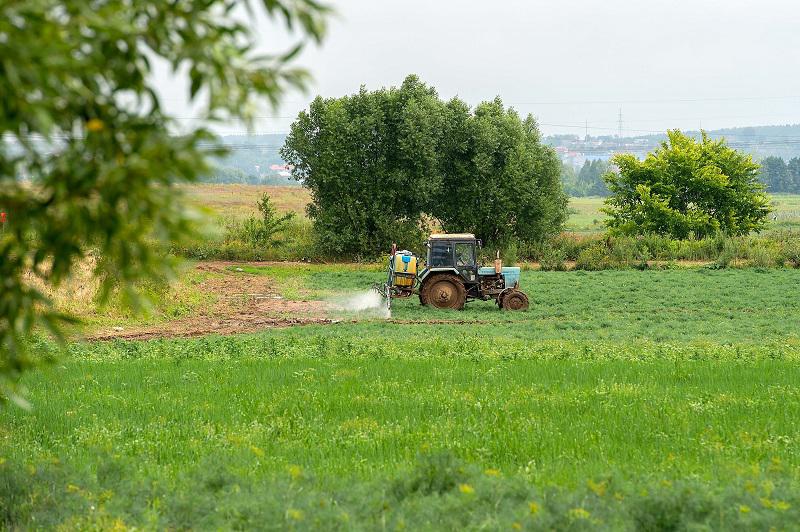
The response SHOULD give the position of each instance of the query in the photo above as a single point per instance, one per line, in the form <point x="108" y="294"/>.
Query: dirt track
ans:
<point x="243" y="303"/>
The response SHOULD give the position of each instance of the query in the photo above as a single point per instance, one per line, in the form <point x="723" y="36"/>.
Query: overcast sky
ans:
<point x="681" y="63"/>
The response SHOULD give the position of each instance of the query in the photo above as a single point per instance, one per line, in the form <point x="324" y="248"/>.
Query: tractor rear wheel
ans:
<point x="443" y="291"/>
<point x="514" y="300"/>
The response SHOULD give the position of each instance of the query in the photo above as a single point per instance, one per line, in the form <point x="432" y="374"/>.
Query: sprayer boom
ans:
<point x="385" y="292"/>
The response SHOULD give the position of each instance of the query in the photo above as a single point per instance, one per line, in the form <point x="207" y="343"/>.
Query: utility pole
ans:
<point x="620" y="123"/>
<point x="587" y="131"/>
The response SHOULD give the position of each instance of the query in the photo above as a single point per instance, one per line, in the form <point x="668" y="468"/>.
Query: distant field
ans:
<point x="585" y="215"/>
<point x="240" y="200"/>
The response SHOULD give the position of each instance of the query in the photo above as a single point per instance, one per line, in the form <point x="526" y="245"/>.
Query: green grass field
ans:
<point x="655" y="400"/>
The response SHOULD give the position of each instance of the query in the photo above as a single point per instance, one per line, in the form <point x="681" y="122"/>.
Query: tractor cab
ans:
<point x="457" y="252"/>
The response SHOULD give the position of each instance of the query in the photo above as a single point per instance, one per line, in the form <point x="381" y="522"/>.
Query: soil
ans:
<point x="243" y="303"/>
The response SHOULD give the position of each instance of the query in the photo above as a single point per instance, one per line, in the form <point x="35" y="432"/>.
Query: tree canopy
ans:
<point x="686" y="188"/>
<point x="381" y="164"/>
<point x="588" y="181"/>
<point x="780" y="176"/>
<point x="81" y="120"/>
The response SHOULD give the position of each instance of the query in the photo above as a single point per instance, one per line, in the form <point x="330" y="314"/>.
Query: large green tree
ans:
<point x="499" y="181"/>
<point x="82" y="122"/>
<point x="370" y="160"/>
<point x="684" y="188"/>
<point x="380" y="164"/>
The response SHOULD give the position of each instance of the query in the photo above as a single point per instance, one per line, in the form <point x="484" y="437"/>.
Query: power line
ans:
<point x="660" y="100"/>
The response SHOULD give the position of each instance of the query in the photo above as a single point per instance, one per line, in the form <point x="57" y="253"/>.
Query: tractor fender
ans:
<point x="429" y="271"/>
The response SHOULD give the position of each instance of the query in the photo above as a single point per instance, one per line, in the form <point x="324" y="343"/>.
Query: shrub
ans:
<point x="791" y="253"/>
<point x="258" y="231"/>
<point x="593" y="258"/>
<point x="762" y="255"/>
<point x="727" y="255"/>
<point x="552" y="259"/>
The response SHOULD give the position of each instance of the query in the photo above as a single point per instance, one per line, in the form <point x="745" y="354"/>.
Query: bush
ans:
<point x="258" y="232"/>
<point x="791" y="253"/>
<point x="762" y="255"/>
<point x="552" y="260"/>
<point x="593" y="258"/>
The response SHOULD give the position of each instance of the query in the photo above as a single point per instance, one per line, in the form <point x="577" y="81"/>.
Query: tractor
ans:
<point x="451" y="276"/>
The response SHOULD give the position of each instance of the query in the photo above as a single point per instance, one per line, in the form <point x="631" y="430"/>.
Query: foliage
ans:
<point x="80" y="119"/>
<point x="686" y="189"/>
<point x="499" y="181"/>
<point x="379" y="164"/>
<point x="259" y="232"/>
<point x="588" y="182"/>
<point x="369" y="160"/>
<point x="779" y="176"/>
<point x="552" y="259"/>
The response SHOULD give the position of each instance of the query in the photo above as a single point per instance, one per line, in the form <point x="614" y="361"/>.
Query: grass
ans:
<point x="79" y="296"/>
<point x="741" y="305"/>
<point x="239" y="201"/>
<point x="585" y="215"/>
<point x="125" y="427"/>
<point x="622" y="399"/>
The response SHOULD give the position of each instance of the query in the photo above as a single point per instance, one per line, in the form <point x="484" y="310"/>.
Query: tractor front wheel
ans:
<point x="514" y="300"/>
<point x="443" y="291"/>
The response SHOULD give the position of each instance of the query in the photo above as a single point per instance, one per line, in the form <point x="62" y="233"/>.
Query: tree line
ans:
<point x="780" y="176"/>
<point x="588" y="181"/>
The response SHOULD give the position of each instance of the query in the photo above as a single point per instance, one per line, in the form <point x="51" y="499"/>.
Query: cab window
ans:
<point x="465" y="255"/>
<point x="441" y="254"/>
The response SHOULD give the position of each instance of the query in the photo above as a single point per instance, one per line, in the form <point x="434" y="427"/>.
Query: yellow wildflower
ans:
<point x="744" y="508"/>
<point x="295" y="471"/>
<point x="492" y="472"/>
<point x="533" y="507"/>
<point x="466" y="489"/>
<point x="294" y="515"/>
<point x="95" y="125"/>
<point x="257" y="451"/>
<point x="579" y="513"/>
<point x="599" y="488"/>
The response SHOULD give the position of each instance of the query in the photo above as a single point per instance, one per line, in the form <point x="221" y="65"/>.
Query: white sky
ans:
<point x="666" y="64"/>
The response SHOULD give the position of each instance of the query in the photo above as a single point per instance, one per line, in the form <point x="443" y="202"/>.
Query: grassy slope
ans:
<point x="622" y="398"/>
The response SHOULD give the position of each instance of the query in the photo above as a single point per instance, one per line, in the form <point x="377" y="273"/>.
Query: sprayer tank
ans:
<point x="403" y="265"/>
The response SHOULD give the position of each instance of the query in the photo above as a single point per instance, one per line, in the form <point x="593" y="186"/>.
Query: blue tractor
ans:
<point x="452" y="276"/>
